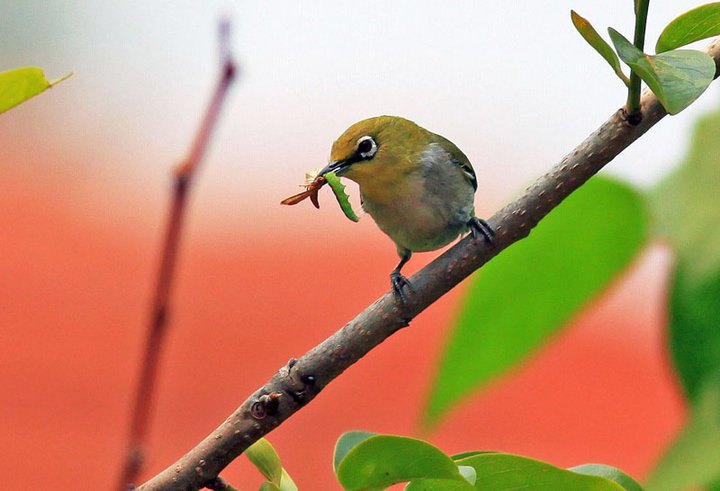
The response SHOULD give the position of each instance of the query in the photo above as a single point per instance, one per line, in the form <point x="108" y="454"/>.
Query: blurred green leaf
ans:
<point x="20" y="84"/>
<point x="693" y="460"/>
<point x="383" y="460"/>
<point x="588" y="32"/>
<point x="347" y="442"/>
<point x="532" y="289"/>
<point x="686" y="211"/>
<point x="685" y="204"/>
<point x="267" y="461"/>
<point x="694" y="328"/>
<point x="677" y="77"/>
<point x="268" y="486"/>
<point x="696" y="24"/>
<point x="611" y="473"/>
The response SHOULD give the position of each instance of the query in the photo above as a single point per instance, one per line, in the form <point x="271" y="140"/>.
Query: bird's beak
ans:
<point x="338" y="167"/>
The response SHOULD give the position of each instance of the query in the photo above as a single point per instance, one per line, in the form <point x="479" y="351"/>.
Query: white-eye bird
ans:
<point x="417" y="186"/>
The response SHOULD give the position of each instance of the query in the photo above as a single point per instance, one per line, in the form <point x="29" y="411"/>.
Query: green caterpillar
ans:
<point x="341" y="196"/>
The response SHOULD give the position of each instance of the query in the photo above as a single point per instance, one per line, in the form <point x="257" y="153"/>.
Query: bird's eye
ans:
<point x="366" y="147"/>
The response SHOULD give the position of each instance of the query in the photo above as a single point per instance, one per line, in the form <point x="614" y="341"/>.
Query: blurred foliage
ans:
<point x="685" y="205"/>
<point x="687" y="213"/>
<point x="694" y="458"/>
<point x="21" y="84"/>
<point x="533" y="288"/>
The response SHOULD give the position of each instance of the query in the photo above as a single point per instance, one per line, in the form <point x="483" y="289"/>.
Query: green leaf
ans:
<point x="287" y="483"/>
<point x="347" y="442"/>
<point x="685" y="204"/>
<point x="696" y="24"/>
<point x="20" y="84"/>
<point x="677" y="77"/>
<point x="504" y="472"/>
<point x="686" y="212"/>
<point x="383" y="460"/>
<point x="465" y="455"/>
<point x="611" y="473"/>
<point x="267" y="461"/>
<point x="496" y="471"/>
<point x="535" y="287"/>
<point x="694" y="328"/>
<point x="693" y="460"/>
<point x="268" y="486"/>
<point x="439" y="485"/>
<point x="588" y="32"/>
<point x="341" y="196"/>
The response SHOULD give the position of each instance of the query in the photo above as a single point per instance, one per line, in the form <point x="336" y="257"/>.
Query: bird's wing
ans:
<point x="461" y="160"/>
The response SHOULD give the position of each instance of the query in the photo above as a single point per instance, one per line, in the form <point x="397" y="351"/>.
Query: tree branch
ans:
<point x="295" y="385"/>
<point x="157" y="321"/>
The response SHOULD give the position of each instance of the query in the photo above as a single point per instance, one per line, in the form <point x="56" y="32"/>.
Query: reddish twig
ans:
<point x="158" y="320"/>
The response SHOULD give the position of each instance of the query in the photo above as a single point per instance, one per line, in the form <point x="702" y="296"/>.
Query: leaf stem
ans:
<point x="633" y="100"/>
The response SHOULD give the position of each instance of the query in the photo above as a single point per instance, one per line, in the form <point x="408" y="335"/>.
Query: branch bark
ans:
<point x="158" y="318"/>
<point x="293" y="386"/>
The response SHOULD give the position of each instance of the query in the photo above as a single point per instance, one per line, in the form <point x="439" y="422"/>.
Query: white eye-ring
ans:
<point x="366" y="147"/>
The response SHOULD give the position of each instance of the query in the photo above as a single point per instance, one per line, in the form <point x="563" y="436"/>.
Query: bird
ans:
<point x="418" y="186"/>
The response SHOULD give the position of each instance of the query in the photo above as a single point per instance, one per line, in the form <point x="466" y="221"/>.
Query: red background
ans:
<point x="75" y="295"/>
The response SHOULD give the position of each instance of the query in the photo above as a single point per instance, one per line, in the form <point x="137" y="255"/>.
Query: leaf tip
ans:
<point x="61" y="79"/>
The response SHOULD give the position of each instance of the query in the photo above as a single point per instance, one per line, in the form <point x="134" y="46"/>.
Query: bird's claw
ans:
<point x="478" y="226"/>
<point x="398" y="282"/>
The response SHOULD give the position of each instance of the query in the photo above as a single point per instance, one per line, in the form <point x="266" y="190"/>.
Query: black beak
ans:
<point x="337" y="167"/>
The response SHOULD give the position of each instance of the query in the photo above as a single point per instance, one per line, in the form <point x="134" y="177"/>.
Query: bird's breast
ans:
<point x="418" y="217"/>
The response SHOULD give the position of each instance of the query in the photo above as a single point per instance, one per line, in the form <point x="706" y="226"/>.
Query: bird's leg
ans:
<point x="397" y="280"/>
<point x="481" y="227"/>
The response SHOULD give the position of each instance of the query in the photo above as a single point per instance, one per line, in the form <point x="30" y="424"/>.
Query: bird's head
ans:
<point x="378" y="151"/>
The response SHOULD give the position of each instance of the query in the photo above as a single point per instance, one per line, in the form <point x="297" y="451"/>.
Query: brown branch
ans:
<point x="158" y="319"/>
<point x="297" y="384"/>
<point x="219" y="484"/>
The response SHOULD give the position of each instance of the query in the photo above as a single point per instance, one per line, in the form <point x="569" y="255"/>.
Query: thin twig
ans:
<point x="158" y="319"/>
<point x="301" y="380"/>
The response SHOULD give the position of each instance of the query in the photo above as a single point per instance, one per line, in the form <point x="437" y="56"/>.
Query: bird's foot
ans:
<point x="478" y="226"/>
<point x="398" y="282"/>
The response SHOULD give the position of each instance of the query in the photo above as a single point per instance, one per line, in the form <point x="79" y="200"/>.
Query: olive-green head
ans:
<point x="379" y="151"/>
